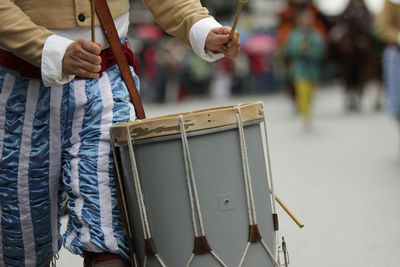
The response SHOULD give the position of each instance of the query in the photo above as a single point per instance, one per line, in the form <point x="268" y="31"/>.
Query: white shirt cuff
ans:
<point x="198" y="35"/>
<point x="52" y="56"/>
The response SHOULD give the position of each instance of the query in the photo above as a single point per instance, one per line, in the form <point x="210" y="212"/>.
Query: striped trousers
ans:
<point x="391" y="72"/>
<point x="55" y="142"/>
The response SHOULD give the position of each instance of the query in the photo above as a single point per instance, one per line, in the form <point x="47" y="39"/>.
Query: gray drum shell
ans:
<point x="218" y="170"/>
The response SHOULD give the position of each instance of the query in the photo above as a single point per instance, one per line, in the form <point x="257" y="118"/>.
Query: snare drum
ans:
<point x="196" y="187"/>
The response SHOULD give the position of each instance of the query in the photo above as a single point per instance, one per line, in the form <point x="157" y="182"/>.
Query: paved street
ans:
<point x="342" y="179"/>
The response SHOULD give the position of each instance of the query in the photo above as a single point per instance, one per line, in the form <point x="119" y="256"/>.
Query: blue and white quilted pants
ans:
<point x="52" y="133"/>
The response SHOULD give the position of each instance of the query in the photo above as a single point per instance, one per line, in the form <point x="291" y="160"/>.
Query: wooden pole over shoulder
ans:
<point x="92" y="17"/>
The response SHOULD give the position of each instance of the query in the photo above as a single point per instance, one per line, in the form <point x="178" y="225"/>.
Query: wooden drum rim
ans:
<point x="194" y="121"/>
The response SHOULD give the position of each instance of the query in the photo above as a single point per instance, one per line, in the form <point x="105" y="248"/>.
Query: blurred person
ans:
<point x="305" y="48"/>
<point x="354" y="45"/>
<point x="389" y="27"/>
<point x="288" y="17"/>
<point x="55" y="112"/>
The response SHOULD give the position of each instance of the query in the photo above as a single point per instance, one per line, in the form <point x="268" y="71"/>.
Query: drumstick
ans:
<point x="238" y="10"/>
<point x="92" y="9"/>
<point x="288" y="211"/>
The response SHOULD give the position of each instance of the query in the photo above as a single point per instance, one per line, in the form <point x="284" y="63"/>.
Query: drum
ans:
<point x="196" y="188"/>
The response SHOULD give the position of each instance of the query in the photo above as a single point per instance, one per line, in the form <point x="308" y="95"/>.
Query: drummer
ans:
<point x="56" y="109"/>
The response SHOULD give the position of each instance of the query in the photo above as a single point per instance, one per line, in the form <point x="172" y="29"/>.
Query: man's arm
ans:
<point x="183" y="19"/>
<point x="20" y="35"/>
<point x="177" y="17"/>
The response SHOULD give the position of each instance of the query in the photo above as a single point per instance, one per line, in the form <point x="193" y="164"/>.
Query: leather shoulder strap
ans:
<point x="104" y="15"/>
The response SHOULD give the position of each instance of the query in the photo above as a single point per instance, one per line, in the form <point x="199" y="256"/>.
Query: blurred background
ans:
<point x="335" y="148"/>
<point x="169" y="70"/>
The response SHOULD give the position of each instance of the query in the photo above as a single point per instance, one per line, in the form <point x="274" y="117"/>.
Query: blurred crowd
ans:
<point x="304" y="49"/>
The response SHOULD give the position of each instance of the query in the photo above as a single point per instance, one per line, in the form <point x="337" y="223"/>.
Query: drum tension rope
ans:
<point x="201" y="245"/>
<point x="254" y="232"/>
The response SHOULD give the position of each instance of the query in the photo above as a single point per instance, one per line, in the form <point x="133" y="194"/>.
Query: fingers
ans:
<point x="82" y="59"/>
<point x="231" y="53"/>
<point x="235" y="40"/>
<point x="86" y="74"/>
<point x="90" y="58"/>
<point x="92" y="48"/>
<point x="221" y="39"/>
<point x="218" y="41"/>
<point x="232" y="48"/>
<point x="222" y="30"/>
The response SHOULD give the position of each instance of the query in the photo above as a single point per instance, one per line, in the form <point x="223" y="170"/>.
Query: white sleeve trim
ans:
<point x="52" y="56"/>
<point x="198" y="35"/>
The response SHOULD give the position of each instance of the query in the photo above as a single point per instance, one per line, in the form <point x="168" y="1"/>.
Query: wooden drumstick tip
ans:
<point x="238" y="10"/>
<point x="288" y="211"/>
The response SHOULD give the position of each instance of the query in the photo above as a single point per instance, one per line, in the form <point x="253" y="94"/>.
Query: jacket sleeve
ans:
<point x="19" y="35"/>
<point x="177" y="17"/>
<point x="390" y="33"/>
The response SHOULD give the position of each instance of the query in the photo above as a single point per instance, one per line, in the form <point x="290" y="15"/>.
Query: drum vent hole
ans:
<point x="226" y="201"/>
<point x="209" y="120"/>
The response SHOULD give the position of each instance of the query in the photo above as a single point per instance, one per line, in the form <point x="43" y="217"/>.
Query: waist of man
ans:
<point x="8" y="60"/>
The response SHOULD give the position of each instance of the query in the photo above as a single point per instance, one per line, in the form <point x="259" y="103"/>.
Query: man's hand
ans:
<point x="218" y="41"/>
<point x="82" y="59"/>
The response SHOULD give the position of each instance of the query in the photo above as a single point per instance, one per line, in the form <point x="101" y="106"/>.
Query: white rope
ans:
<point x="118" y="174"/>
<point x="140" y="197"/>
<point x="244" y="254"/>
<point x="190" y="260"/>
<point x="135" y="173"/>
<point x="270" y="177"/>
<point x="185" y="156"/>
<point x="159" y="260"/>
<point x="192" y="186"/>
<point x="269" y="253"/>
<point x="246" y="183"/>
<point x="245" y="159"/>
<point x="191" y="173"/>
<point x="218" y="258"/>
<point x="249" y="188"/>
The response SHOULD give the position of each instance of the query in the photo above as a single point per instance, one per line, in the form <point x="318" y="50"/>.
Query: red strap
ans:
<point x="108" y="59"/>
<point x="9" y="61"/>
<point x="90" y="257"/>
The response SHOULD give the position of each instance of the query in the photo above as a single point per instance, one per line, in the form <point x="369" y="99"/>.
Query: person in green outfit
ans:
<point x="305" y="48"/>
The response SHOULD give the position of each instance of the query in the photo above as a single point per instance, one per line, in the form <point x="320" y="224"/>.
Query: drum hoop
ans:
<point x="190" y="134"/>
<point x="194" y="121"/>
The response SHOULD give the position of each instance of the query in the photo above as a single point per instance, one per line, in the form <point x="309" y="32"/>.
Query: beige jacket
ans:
<point x="389" y="22"/>
<point x="24" y="24"/>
